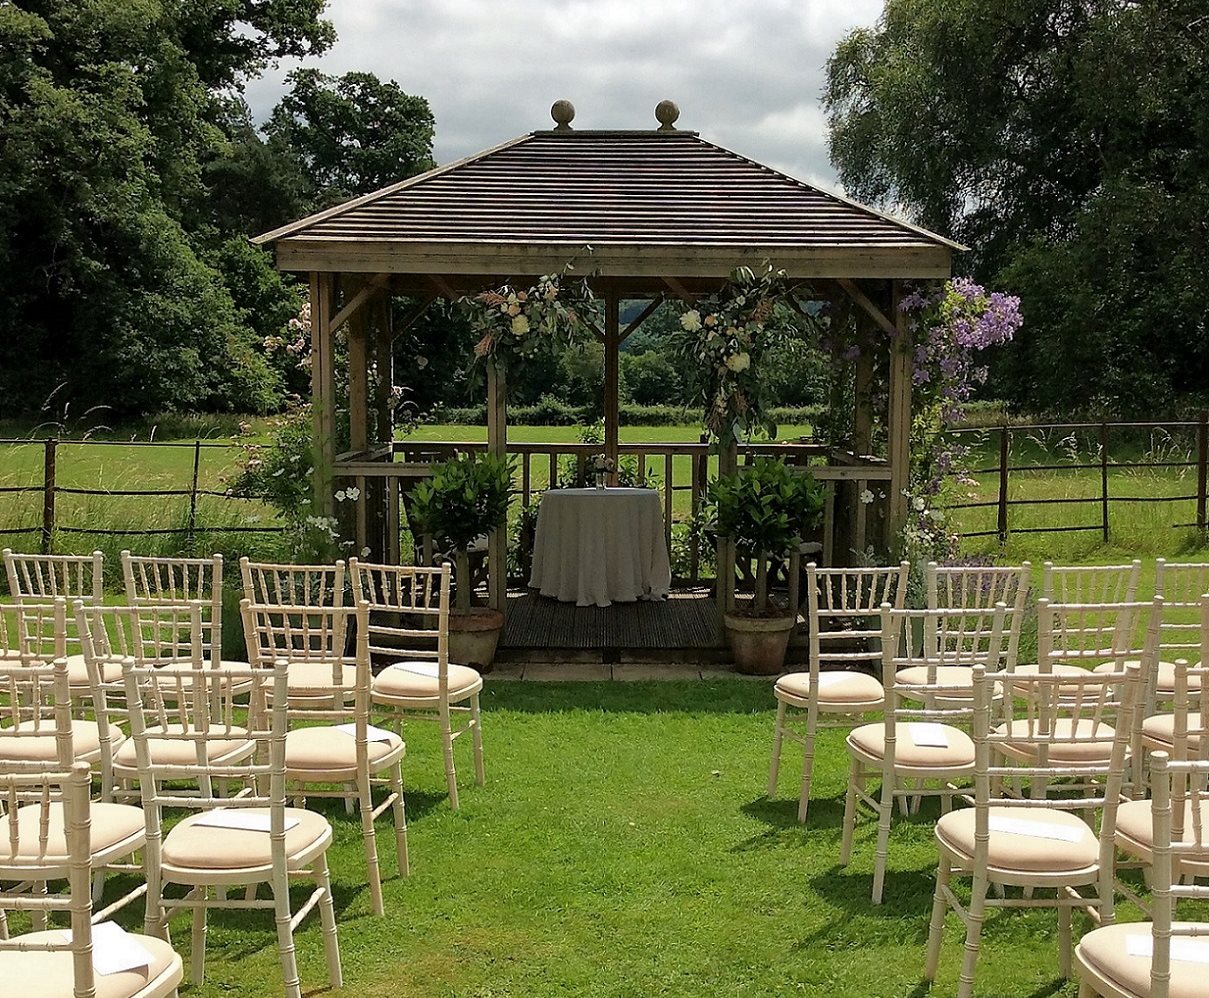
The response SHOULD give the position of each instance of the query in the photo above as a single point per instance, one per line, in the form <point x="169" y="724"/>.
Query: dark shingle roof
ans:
<point x="600" y="188"/>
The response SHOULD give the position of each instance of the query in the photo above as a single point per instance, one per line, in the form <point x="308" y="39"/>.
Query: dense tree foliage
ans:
<point x="130" y="175"/>
<point x="1067" y="143"/>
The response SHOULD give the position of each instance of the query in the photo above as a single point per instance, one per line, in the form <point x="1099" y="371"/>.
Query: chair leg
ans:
<point x="476" y="735"/>
<point x="350" y="804"/>
<point x="399" y="809"/>
<point x="38" y="918"/>
<point x="936" y="925"/>
<point x="885" y="813"/>
<point x="327" y="917"/>
<point x="1086" y="990"/>
<point x="451" y="773"/>
<point x="1064" y="941"/>
<point x="285" y="936"/>
<point x="198" y="957"/>
<point x="98" y="885"/>
<point x="854" y="774"/>
<point x="969" y="959"/>
<point x="3" y="924"/>
<point x="812" y="722"/>
<point x="370" y="841"/>
<point x="778" y="731"/>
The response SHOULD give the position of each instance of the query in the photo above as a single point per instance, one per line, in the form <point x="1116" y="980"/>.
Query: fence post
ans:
<point x="48" y="495"/>
<point x="193" y="496"/>
<point x="1202" y="467"/>
<point x="1104" y="479"/>
<point x="1004" y="456"/>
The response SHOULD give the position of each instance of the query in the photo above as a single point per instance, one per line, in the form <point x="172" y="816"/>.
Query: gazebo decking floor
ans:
<point x="682" y="628"/>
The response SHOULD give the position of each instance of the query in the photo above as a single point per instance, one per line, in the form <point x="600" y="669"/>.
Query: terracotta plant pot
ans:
<point x="758" y="644"/>
<point x="473" y="636"/>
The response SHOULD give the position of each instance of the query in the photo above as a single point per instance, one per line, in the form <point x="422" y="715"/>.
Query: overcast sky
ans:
<point x="747" y="74"/>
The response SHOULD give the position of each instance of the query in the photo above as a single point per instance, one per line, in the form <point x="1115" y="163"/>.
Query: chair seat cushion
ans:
<point x="110" y="825"/>
<point x="186" y="665"/>
<point x="77" y="671"/>
<point x="1158" y="730"/>
<point x="1164" y="680"/>
<point x="1057" y="669"/>
<point x="870" y="739"/>
<point x="1086" y="752"/>
<point x="1135" y="825"/>
<point x="203" y="847"/>
<point x="51" y="974"/>
<point x="173" y="752"/>
<point x="1020" y="850"/>
<point x="315" y="678"/>
<point x="85" y="742"/>
<point x="418" y="681"/>
<point x="1105" y="951"/>
<point x="328" y="749"/>
<point x="834" y="688"/>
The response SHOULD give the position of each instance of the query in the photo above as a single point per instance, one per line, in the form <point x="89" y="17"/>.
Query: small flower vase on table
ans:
<point x="601" y="467"/>
<point x="600" y="480"/>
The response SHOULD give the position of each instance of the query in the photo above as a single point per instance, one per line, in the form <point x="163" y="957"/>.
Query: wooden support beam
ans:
<point x="679" y="290"/>
<point x="353" y="305"/>
<point x="898" y="423"/>
<point x="497" y="443"/>
<point x="414" y="316"/>
<point x="358" y="382"/>
<point x="612" y="380"/>
<point x="645" y="314"/>
<point x="443" y="287"/>
<point x="323" y="393"/>
<point x="870" y="309"/>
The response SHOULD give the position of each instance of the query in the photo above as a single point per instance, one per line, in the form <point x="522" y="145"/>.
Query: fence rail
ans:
<point x="1003" y="503"/>
<point x="50" y="489"/>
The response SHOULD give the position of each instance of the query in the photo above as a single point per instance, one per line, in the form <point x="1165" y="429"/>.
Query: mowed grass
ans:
<point x="623" y="846"/>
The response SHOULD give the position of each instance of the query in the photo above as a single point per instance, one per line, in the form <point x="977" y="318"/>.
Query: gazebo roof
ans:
<point x="650" y="203"/>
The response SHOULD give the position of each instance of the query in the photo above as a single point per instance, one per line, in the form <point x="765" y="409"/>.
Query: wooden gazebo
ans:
<point x="666" y="214"/>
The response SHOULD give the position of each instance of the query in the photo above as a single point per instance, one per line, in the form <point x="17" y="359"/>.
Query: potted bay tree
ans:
<point x="464" y="499"/>
<point x="766" y="508"/>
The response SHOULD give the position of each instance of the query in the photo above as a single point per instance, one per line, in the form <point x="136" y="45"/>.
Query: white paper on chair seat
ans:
<point x="929" y="735"/>
<point x="1036" y="829"/>
<point x="115" y="950"/>
<point x="372" y="734"/>
<point x="1182" y="949"/>
<point x="244" y="821"/>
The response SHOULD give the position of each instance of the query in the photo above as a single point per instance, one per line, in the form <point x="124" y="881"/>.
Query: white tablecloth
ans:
<point x="598" y="546"/>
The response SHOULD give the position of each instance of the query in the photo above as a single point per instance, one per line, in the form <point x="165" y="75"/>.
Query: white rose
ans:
<point x="520" y="325"/>
<point x="738" y="362"/>
<point x="867" y="496"/>
<point x="920" y="504"/>
<point x="690" y="322"/>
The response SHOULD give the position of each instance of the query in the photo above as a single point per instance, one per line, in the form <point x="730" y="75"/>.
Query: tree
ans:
<point x="1066" y="142"/>
<point x="352" y="134"/>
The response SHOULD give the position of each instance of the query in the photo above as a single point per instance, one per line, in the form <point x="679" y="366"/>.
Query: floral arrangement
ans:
<point x="950" y="325"/>
<point x="602" y="464"/>
<point x="513" y="324"/>
<point x="724" y="337"/>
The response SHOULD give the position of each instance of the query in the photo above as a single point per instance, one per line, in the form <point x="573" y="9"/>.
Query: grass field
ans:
<point x="623" y="847"/>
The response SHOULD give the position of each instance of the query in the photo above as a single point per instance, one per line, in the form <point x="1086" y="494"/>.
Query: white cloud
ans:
<point x="747" y="74"/>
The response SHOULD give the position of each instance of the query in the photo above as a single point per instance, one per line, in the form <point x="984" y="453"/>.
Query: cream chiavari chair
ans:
<point x="315" y="670"/>
<point x="1168" y="961"/>
<point x="980" y="587"/>
<point x="258" y="840"/>
<point x="409" y="628"/>
<point x="1159" y="730"/>
<point x="10" y="649"/>
<point x="172" y="581"/>
<point x="918" y="749"/>
<point x="1036" y="844"/>
<point x="1090" y="583"/>
<point x="36" y="579"/>
<point x="844" y="607"/>
<point x="1135" y="827"/>
<point x="37" y="733"/>
<point x="343" y="748"/>
<point x="169" y="637"/>
<point x="1181" y="585"/>
<point x="45" y="831"/>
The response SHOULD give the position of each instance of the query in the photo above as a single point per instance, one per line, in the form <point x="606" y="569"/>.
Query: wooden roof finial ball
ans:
<point x="563" y="113"/>
<point x="667" y="114"/>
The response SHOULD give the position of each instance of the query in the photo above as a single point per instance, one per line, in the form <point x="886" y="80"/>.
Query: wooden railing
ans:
<point x="680" y="472"/>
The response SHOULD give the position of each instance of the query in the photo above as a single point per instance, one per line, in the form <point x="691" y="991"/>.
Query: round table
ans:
<point x="594" y="547"/>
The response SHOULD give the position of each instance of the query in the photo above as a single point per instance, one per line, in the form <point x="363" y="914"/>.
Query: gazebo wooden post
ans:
<point x="728" y="464"/>
<point x="497" y="443"/>
<point x="358" y="420"/>
<point x="384" y="429"/>
<point x="323" y="393"/>
<point x="898" y="423"/>
<point x="612" y="379"/>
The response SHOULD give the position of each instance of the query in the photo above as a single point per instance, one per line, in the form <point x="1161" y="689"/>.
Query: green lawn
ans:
<point x="623" y="846"/>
